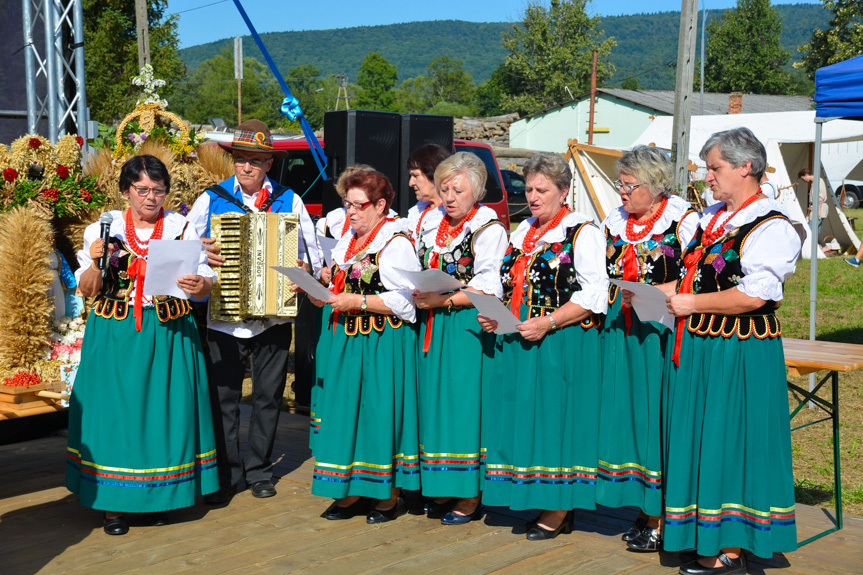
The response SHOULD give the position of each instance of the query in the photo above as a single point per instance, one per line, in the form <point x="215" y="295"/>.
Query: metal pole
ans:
<point x="683" y="93"/>
<point x="58" y="53"/>
<point x="703" y="25"/>
<point x="50" y="70"/>
<point x="80" y="83"/>
<point x="29" y="68"/>
<point x="813" y="238"/>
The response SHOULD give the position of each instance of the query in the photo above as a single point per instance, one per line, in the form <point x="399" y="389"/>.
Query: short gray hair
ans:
<point x="467" y="164"/>
<point x="650" y="166"/>
<point x="737" y="147"/>
<point x="552" y="166"/>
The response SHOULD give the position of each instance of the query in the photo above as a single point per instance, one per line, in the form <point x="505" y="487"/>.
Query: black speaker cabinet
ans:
<point x="418" y="130"/>
<point x="360" y="137"/>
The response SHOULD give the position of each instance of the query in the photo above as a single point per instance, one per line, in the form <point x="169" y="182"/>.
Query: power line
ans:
<point x="199" y="7"/>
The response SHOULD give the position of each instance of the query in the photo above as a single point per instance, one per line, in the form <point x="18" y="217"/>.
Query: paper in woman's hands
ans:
<point x="327" y="245"/>
<point x="307" y="283"/>
<point x="490" y="307"/>
<point x="431" y="281"/>
<point x="648" y="301"/>
<point x="168" y="261"/>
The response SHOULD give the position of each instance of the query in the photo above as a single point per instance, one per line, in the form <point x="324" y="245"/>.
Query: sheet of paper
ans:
<point x="167" y="261"/>
<point x="648" y="302"/>
<point x="490" y="307"/>
<point x="307" y="283"/>
<point x="431" y="281"/>
<point x="327" y="245"/>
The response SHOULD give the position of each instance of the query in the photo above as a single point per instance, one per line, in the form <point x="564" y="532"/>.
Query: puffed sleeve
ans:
<point x="321" y="226"/>
<point x="768" y="258"/>
<point x="687" y="228"/>
<point x="204" y="270"/>
<point x="91" y="234"/>
<point x="398" y="253"/>
<point x="588" y="259"/>
<point x="200" y="213"/>
<point x="489" y="245"/>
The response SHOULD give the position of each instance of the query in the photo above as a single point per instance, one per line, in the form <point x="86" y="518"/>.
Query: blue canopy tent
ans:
<point x="838" y="95"/>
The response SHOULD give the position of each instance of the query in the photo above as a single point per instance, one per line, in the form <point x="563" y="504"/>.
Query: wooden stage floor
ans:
<point x="44" y="530"/>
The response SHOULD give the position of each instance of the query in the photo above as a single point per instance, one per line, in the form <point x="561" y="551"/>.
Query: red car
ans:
<point x="300" y="172"/>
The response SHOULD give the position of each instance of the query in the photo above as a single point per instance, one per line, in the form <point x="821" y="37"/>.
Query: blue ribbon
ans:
<point x="290" y="105"/>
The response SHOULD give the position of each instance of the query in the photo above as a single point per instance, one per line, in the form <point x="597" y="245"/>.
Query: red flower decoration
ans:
<point x="556" y="247"/>
<point x="35" y="143"/>
<point x="10" y="175"/>
<point x="63" y="172"/>
<point x="51" y="194"/>
<point x="85" y="195"/>
<point x="80" y="141"/>
<point x="464" y="260"/>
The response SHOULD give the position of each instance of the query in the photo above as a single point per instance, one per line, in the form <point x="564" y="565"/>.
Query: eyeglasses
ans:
<point x="625" y="188"/>
<point x="144" y="192"/>
<point x="357" y="207"/>
<point x="255" y="163"/>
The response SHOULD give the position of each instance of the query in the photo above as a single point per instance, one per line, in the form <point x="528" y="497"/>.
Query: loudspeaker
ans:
<point x="360" y="137"/>
<point x="418" y="130"/>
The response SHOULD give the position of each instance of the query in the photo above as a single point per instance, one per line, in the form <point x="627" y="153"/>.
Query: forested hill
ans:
<point x="646" y="45"/>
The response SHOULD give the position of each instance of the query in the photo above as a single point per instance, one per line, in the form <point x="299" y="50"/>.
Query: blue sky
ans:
<point x="208" y="20"/>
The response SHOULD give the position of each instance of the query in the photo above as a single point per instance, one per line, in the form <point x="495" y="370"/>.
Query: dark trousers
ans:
<point x="226" y="368"/>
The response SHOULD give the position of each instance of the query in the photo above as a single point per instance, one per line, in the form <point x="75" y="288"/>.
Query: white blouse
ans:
<point x="615" y="223"/>
<point x="489" y="248"/>
<point x="430" y="222"/>
<point x="588" y="258"/>
<point x="397" y="254"/>
<point x="769" y="255"/>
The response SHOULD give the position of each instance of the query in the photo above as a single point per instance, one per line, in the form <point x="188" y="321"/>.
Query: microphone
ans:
<point x="104" y="232"/>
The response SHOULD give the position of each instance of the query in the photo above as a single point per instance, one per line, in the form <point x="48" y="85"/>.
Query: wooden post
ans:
<point x="683" y="94"/>
<point x="238" y="74"/>
<point x="592" y="99"/>
<point x="142" y="26"/>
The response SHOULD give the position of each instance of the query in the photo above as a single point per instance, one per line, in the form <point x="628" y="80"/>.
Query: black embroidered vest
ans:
<point x="459" y="261"/>
<point x="719" y="268"/>
<point x="549" y="280"/>
<point x="117" y="289"/>
<point x="658" y="258"/>
<point x="364" y="277"/>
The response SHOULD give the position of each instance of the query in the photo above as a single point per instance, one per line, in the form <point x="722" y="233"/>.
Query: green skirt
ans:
<point x="450" y="403"/>
<point x="729" y="481"/>
<point x="630" y="451"/>
<point x="366" y="409"/>
<point x="140" y="425"/>
<point x="540" y="420"/>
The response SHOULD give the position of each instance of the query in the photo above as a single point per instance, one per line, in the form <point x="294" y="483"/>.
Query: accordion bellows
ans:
<point x="248" y="288"/>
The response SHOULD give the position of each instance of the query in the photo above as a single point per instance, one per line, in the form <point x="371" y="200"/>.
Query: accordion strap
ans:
<point x="225" y="195"/>
<point x="277" y="191"/>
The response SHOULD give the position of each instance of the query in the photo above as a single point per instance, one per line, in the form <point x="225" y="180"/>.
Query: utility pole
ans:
<point x="592" y="99"/>
<point x="683" y="94"/>
<point x="142" y="25"/>
<point x="238" y="75"/>
<point x="343" y="89"/>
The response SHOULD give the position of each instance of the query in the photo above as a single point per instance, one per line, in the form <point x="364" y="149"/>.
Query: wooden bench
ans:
<point x="802" y="357"/>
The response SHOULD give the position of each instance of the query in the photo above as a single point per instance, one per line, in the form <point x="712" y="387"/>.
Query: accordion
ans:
<point x="251" y="243"/>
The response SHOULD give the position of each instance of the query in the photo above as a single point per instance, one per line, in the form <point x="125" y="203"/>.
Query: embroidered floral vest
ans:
<point x="549" y="280"/>
<point x="117" y="287"/>
<point x="658" y="258"/>
<point x="718" y="269"/>
<point x="459" y="261"/>
<point x="364" y="277"/>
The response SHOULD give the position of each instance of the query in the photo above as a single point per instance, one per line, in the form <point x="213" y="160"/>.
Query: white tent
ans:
<point x="789" y="140"/>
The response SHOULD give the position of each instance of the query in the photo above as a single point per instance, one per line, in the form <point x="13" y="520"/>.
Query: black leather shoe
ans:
<point x="435" y="510"/>
<point x="453" y="518"/>
<point x="115" y="525"/>
<point x="157" y="519"/>
<point x="635" y="530"/>
<point x="537" y="533"/>
<point x="358" y="507"/>
<point x="264" y="488"/>
<point x="648" y="540"/>
<point x="382" y="516"/>
<point x="221" y="496"/>
<point x="729" y="567"/>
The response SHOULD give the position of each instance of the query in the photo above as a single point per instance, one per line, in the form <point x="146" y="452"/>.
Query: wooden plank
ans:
<point x="585" y="176"/>
<point x="818" y="355"/>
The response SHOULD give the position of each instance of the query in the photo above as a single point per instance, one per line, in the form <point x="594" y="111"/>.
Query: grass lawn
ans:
<point x="839" y="317"/>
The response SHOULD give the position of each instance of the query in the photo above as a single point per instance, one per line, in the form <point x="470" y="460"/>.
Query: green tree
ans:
<point x="211" y="91"/>
<point x="743" y="52"/>
<point x="549" y="50"/>
<point x="111" y="54"/>
<point x="411" y="96"/>
<point x="629" y="83"/>
<point x="488" y="97"/>
<point x="843" y="40"/>
<point x="448" y="82"/>
<point x="376" y="80"/>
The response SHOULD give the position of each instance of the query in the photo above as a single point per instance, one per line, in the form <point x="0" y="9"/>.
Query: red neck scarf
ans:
<point x="262" y="197"/>
<point x="138" y="266"/>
